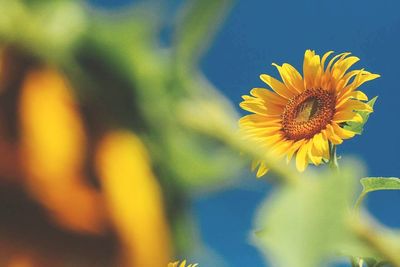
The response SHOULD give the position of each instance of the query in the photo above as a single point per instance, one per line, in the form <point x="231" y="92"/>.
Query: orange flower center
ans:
<point x="308" y="113"/>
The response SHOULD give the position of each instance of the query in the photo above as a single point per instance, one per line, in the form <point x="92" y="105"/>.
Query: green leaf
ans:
<point x="195" y="28"/>
<point x="380" y="183"/>
<point x="358" y="127"/>
<point x="371" y="184"/>
<point x="305" y="225"/>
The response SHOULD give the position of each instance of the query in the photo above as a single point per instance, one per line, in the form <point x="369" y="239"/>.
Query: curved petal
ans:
<point x="342" y="133"/>
<point x="354" y="105"/>
<point x="262" y="170"/>
<point x="302" y="157"/>
<point x="332" y="136"/>
<point x="268" y="96"/>
<point x="339" y="68"/>
<point x="291" y="77"/>
<point x="312" y="70"/>
<point x="277" y="86"/>
<point x="294" y="148"/>
<point x="324" y="57"/>
<point x="347" y="115"/>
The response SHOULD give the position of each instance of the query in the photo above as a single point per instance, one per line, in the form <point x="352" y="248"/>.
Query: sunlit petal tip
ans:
<point x="262" y="170"/>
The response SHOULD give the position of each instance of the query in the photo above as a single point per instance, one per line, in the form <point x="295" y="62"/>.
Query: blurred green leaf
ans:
<point x="306" y="225"/>
<point x="358" y="127"/>
<point x="48" y="29"/>
<point x="196" y="27"/>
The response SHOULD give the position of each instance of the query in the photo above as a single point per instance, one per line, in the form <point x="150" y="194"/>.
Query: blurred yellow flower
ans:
<point x="183" y="264"/>
<point x="304" y="113"/>
<point x="53" y="148"/>
<point x="134" y="200"/>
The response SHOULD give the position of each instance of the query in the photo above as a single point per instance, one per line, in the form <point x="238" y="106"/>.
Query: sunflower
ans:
<point x="182" y="264"/>
<point x="304" y="115"/>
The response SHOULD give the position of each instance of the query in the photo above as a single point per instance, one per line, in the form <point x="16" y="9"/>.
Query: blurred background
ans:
<point x="122" y="76"/>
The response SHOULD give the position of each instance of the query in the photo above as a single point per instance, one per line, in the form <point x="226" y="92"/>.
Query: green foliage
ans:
<point x="118" y="68"/>
<point x="380" y="183"/>
<point x="47" y="29"/>
<point x="358" y="127"/>
<point x="306" y="224"/>
<point x="195" y="28"/>
<point x="371" y="184"/>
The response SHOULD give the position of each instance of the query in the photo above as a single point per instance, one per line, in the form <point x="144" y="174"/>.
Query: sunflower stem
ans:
<point x="333" y="159"/>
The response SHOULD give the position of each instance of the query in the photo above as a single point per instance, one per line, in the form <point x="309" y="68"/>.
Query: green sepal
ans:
<point x="358" y="127"/>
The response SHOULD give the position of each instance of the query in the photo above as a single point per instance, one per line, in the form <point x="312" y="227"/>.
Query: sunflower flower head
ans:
<point x="181" y="264"/>
<point x="301" y="115"/>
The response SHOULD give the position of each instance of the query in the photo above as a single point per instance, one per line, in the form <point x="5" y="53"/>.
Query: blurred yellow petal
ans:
<point x="262" y="170"/>
<point x="134" y="200"/>
<point x="53" y="150"/>
<point x="182" y="264"/>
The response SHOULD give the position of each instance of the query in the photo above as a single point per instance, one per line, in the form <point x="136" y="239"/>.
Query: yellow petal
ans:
<point x="342" y="133"/>
<point x="280" y="149"/>
<point x="291" y="77"/>
<point x="332" y="136"/>
<point x="351" y="95"/>
<point x="360" y="79"/>
<point x="268" y="96"/>
<point x="254" y="164"/>
<point x="318" y="143"/>
<point x="346" y="115"/>
<point x="355" y="105"/>
<point x="359" y="95"/>
<point x="262" y="170"/>
<point x="346" y="79"/>
<point x="324" y="57"/>
<point x="254" y="107"/>
<point x="314" y="156"/>
<point x="301" y="157"/>
<point x="326" y="154"/>
<point x="295" y="146"/>
<point x="256" y="119"/>
<point x="340" y="67"/>
<point x="312" y="70"/>
<point x="331" y="62"/>
<point x="261" y="132"/>
<point x="277" y="86"/>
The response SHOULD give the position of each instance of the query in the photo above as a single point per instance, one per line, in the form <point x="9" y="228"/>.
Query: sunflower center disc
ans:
<point x="308" y="113"/>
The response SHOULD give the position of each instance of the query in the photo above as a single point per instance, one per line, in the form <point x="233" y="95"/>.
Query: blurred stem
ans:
<point x="377" y="240"/>
<point x="359" y="201"/>
<point x="353" y="262"/>
<point x="356" y="262"/>
<point x="333" y="160"/>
